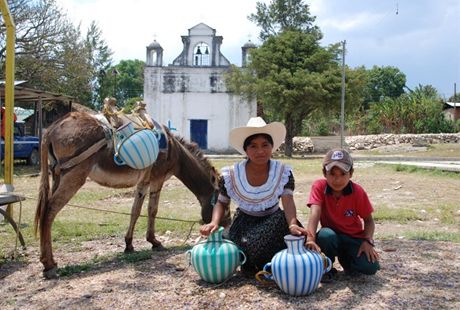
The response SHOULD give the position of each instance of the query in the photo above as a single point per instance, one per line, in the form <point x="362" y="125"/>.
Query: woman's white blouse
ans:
<point x="256" y="198"/>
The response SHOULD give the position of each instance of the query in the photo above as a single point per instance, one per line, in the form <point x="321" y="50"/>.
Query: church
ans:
<point x="190" y="95"/>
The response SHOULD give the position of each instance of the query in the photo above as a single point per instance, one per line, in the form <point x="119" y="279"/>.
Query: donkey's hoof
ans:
<point x="158" y="247"/>
<point x="129" y="249"/>
<point x="51" y="273"/>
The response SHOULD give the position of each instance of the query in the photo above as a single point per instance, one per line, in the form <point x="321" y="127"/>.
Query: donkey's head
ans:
<point x="208" y="201"/>
<point x="199" y="175"/>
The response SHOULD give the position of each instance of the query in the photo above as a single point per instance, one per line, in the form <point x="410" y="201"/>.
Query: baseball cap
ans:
<point x="338" y="158"/>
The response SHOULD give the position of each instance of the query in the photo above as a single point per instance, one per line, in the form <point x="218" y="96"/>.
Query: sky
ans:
<point x="420" y="37"/>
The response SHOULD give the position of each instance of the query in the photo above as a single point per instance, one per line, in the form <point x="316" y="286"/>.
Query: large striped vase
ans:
<point x="135" y="148"/>
<point x="296" y="270"/>
<point x="215" y="259"/>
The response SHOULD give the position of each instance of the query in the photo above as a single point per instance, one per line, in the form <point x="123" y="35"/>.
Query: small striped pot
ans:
<point x="296" y="270"/>
<point x="215" y="259"/>
<point x="137" y="149"/>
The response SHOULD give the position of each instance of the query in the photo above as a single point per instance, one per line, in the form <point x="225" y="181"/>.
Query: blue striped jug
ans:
<point x="296" y="270"/>
<point x="136" y="148"/>
<point x="215" y="259"/>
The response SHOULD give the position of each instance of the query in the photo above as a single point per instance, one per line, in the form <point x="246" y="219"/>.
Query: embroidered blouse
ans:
<point x="256" y="200"/>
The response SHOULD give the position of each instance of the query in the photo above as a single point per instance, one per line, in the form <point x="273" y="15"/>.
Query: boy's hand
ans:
<point x="311" y="245"/>
<point x="207" y="229"/>
<point x="369" y="250"/>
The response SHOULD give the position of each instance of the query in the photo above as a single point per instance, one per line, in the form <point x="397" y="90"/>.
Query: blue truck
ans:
<point x="25" y="147"/>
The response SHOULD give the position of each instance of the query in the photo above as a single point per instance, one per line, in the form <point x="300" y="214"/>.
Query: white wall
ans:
<point x="178" y="94"/>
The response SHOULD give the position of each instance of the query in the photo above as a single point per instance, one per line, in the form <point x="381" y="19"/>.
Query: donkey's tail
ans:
<point x="44" y="190"/>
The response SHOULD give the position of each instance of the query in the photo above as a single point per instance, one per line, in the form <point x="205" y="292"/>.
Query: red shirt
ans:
<point x="344" y="214"/>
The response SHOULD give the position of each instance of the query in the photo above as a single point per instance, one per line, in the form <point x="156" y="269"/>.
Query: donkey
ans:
<point x="71" y="136"/>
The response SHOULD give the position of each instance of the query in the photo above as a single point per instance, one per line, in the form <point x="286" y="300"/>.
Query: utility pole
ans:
<point x="342" y="101"/>
<point x="455" y="101"/>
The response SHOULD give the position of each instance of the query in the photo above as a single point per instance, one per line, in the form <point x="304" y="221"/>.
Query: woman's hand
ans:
<point x="207" y="229"/>
<point x="296" y="230"/>
<point x="369" y="250"/>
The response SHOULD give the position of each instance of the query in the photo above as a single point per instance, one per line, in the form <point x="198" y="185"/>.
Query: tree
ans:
<point x="454" y="98"/>
<point x="124" y="81"/>
<point x="385" y="82"/>
<point x="419" y="111"/>
<point x="50" y="52"/>
<point x="100" y="58"/>
<point x="291" y="75"/>
<point x="40" y="30"/>
<point x="39" y="27"/>
<point x="283" y="15"/>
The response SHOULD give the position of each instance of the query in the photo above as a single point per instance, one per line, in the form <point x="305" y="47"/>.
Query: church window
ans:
<point x="154" y="57"/>
<point x="201" y="55"/>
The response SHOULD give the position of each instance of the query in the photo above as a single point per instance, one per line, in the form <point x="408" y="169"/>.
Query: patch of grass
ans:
<point x="100" y="261"/>
<point x="88" y="197"/>
<point x="386" y="214"/>
<point x="7" y="256"/>
<point x="77" y="231"/>
<point x="74" y="269"/>
<point x="426" y="171"/>
<point x="447" y="214"/>
<point x="135" y="257"/>
<point x="428" y="235"/>
<point x="433" y="236"/>
<point x="20" y="169"/>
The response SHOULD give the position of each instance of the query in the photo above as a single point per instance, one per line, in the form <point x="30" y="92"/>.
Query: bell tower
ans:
<point x="154" y="54"/>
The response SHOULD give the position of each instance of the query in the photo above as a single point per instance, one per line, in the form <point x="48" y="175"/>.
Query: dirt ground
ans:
<point x="415" y="274"/>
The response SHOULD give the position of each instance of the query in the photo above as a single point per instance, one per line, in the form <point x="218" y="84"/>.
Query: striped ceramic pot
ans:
<point x="137" y="149"/>
<point x="215" y="259"/>
<point x="296" y="270"/>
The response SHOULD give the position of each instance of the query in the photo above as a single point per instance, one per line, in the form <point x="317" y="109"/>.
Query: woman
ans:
<point x="256" y="185"/>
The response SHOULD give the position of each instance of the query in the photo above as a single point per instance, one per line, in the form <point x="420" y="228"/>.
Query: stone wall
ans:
<point x="367" y="142"/>
<point x="303" y="145"/>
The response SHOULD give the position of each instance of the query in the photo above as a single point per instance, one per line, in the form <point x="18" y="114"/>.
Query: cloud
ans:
<point x="421" y="40"/>
<point x="129" y="28"/>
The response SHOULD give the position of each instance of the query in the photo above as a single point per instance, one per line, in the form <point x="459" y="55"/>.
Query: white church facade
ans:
<point x="190" y="95"/>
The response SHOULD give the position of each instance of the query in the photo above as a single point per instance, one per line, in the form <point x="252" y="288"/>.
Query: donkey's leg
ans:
<point x="69" y="184"/>
<point x="155" y="190"/>
<point x="141" y="191"/>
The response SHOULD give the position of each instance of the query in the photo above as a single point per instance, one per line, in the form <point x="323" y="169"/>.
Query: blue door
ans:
<point x="199" y="132"/>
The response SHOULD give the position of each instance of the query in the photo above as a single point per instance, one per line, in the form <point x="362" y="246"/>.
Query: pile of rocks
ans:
<point x="304" y="145"/>
<point x="367" y="142"/>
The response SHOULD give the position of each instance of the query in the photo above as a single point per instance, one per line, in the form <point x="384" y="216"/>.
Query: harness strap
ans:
<point x="85" y="155"/>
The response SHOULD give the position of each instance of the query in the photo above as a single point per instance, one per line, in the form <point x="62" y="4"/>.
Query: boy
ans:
<point x="342" y="206"/>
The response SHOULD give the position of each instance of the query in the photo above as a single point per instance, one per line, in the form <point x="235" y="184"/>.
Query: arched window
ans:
<point x="153" y="57"/>
<point x="248" y="58"/>
<point x="201" y="54"/>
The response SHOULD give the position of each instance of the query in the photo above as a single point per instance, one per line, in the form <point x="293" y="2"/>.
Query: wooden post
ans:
<point x="9" y="97"/>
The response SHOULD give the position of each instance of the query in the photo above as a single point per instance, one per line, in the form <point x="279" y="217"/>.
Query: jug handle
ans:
<point x="188" y="256"/>
<point x="265" y="277"/>
<point x="327" y="263"/>
<point x="118" y="160"/>
<point x="244" y="257"/>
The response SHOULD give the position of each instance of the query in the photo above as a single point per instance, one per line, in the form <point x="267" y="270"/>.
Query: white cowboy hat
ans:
<point x="257" y="125"/>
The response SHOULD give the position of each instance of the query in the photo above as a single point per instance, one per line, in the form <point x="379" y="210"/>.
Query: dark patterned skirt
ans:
<point x="259" y="237"/>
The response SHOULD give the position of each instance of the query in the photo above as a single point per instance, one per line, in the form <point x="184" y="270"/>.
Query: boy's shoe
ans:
<point x="328" y="277"/>
<point x="351" y="273"/>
